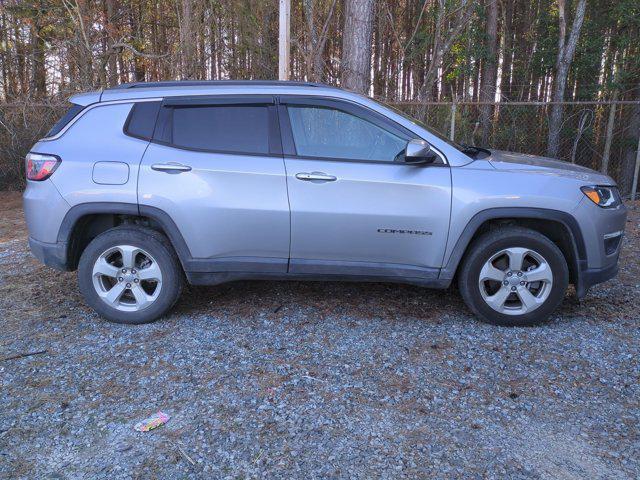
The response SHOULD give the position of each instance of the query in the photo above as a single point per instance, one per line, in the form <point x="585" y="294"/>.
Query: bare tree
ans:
<point x="187" y="39"/>
<point x="566" y="50"/>
<point x="356" y="45"/>
<point x="110" y="30"/>
<point x="316" y="43"/>
<point x="448" y="25"/>
<point x="489" y="70"/>
<point x="82" y="46"/>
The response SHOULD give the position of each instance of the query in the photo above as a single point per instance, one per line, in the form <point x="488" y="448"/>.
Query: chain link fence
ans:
<point x="598" y="135"/>
<point x="602" y="136"/>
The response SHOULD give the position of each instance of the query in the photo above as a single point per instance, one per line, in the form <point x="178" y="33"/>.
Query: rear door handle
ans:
<point x="170" y="167"/>
<point x="318" y="176"/>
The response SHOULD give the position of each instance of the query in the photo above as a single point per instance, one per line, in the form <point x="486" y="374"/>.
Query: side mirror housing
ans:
<point x="418" y="151"/>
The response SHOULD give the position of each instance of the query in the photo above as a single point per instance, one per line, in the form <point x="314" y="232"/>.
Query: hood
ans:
<point x="547" y="166"/>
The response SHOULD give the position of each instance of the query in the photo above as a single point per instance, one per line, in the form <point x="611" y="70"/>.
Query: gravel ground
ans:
<point x="295" y="380"/>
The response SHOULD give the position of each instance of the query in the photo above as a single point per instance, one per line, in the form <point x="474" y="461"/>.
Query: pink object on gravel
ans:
<point x="154" y="421"/>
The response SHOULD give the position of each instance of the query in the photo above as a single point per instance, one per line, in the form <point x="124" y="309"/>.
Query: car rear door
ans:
<point x="215" y="167"/>
<point x="356" y="207"/>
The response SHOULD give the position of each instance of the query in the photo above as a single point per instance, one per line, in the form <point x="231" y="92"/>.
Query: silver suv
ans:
<point x="141" y="186"/>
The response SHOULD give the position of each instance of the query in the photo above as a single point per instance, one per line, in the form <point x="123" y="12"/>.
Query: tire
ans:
<point x="148" y="288"/>
<point x="494" y="256"/>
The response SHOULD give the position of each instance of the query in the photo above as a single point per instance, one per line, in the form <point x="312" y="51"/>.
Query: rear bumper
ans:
<point x="51" y="254"/>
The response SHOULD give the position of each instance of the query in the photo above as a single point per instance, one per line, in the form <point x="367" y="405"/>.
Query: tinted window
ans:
<point x="224" y="128"/>
<point x="142" y="119"/>
<point x="331" y="133"/>
<point x="66" y="118"/>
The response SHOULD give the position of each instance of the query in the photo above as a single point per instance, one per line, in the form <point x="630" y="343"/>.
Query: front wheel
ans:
<point x="130" y="275"/>
<point x="513" y="276"/>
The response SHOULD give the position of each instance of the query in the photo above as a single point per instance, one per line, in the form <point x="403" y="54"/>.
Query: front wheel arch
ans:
<point x="560" y="227"/>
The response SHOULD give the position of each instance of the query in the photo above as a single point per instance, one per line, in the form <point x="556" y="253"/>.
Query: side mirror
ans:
<point x="418" y="151"/>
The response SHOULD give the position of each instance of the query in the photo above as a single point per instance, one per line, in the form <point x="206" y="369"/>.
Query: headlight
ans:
<point x="605" y="197"/>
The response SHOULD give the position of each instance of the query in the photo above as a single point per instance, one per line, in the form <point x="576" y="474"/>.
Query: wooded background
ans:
<point x="500" y="72"/>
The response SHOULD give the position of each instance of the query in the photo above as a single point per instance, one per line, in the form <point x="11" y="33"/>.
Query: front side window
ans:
<point x="331" y="133"/>
<point x="223" y="128"/>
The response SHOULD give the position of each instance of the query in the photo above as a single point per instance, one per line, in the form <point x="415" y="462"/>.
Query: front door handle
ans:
<point x="318" y="176"/>
<point x="170" y="167"/>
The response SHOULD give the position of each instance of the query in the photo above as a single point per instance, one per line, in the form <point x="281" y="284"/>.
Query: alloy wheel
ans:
<point x="127" y="278"/>
<point x="515" y="281"/>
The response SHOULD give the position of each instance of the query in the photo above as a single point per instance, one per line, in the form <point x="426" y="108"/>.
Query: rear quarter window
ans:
<point x="142" y="120"/>
<point x="71" y="113"/>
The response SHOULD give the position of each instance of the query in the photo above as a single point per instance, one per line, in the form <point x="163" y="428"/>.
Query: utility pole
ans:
<point x="284" y="43"/>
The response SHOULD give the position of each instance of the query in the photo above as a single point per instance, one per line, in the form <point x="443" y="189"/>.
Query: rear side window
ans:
<point x="142" y="120"/>
<point x="66" y="118"/>
<point x="220" y="128"/>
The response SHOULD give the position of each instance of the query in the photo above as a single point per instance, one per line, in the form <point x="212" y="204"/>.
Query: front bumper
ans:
<point x="602" y="230"/>
<point x="592" y="276"/>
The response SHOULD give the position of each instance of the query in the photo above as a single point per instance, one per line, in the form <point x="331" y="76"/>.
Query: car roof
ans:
<point x="218" y="83"/>
<point x="141" y="90"/>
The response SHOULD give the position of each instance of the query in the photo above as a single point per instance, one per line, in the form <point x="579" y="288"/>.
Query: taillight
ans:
<point x="40" y="166"/>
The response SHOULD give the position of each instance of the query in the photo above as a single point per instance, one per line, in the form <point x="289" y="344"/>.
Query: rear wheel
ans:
<point x="130" y="275"/>
<point x="513" y="276"/>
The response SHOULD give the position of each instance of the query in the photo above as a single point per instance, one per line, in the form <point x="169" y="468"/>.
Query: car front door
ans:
<point x="215" y="167"/>
<point x="356" y="207"/>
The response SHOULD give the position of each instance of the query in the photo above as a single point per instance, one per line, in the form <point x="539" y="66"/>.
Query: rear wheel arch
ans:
<point x="560" y="227"/>
<point x="84" y="222"/>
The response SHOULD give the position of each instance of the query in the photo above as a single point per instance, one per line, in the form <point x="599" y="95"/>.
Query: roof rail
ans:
<point x="220" y="83"/>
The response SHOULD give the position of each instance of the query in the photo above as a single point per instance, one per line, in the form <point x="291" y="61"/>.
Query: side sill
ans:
<point x="237" y="265"/>
<point x="365" y="269"/>
<point x="216" y="278"/>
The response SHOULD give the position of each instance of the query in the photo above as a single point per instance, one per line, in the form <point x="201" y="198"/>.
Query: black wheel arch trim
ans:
<point x="570" y="223"/>
<point x="445" y="276"/>
<point x="162" y="218"/>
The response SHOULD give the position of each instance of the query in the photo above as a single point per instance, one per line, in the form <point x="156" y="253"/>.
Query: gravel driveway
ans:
<point x="295" y="380"/>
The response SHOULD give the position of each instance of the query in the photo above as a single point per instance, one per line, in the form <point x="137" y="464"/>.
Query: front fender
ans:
<point x="541" y="214"/>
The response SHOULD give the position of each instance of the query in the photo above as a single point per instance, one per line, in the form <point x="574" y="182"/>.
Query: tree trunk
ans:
<point x="39" y="78"/>
<point x="489" y="70"/>
<point x="507" y="36"/>
<point x="356" y="45"/>
<point x="137" y="41"/>
<point x="566" y="50"/>
<point x="110" y="27"/>
<point x="187" y="40"/>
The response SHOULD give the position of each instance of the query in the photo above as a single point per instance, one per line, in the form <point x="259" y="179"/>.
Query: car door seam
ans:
<point x="286" y="176"/>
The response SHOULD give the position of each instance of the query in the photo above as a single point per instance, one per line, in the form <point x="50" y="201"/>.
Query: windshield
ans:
<point x="423" y="125"/>
<point x="469" y="150"/>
